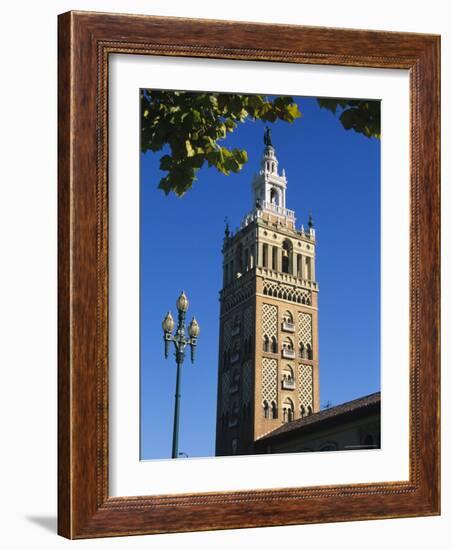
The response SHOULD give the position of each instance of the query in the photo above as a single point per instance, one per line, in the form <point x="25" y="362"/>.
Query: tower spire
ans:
<point x="269" y="185"/>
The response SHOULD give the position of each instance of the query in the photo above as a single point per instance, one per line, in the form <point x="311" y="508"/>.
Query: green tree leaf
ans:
<point x="192" y="125"/>
<point x="361" y="116"/>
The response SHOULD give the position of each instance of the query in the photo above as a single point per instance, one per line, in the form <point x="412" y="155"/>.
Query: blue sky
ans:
<point x="333" y="173"/>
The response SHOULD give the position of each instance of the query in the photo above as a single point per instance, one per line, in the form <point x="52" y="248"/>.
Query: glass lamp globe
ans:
<point x="193" y="328"/>
<point x="168" y="322"/>
<point x="182" y="302"/>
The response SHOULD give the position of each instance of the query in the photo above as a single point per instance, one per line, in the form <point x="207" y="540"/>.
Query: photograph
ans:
<point x="259" y="274"/>
<point x="248" y="273"/>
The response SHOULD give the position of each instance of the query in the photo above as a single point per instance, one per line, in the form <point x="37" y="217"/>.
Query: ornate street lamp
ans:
<point x="180" y="342"/>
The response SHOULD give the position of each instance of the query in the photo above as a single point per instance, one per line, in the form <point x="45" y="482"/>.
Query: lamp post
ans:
<point x="180" y="342"/>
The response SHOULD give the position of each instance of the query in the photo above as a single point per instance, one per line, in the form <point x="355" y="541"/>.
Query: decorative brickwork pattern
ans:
<point x="247" y="322"/>
<point x="269" y="320"/>
<point x="305" y="386"/>
<point x="269" y="380"/>
<point x="227" y="334"/>
<point x="247" y="382"/>
<point x="225" y="381"/>
<point x="238" y="296"/>
<point x="305" y="328"/>
<point x="286" y="292"/>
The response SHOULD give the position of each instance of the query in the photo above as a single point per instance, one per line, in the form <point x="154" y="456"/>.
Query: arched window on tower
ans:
<point x="309" y="410"/>
<point x="302" y="411"/>
<point x="235" y="378"/>
<point x="266" y="409"/>
<point x="308" y="267"/>
<point x="234" y="415"/>
<point x="309" y="351"/>
<point x="274" y="196"/>
<point x="287" y="320"/>
<point x="287" y="349"/>
<point x="287" y="256"/>
<point x="274" y="410"/>
<point x="299" y="271"/>
<point x="288" y="410"/>
<point x="287" y="373"/>
<point x="236" y="326"/>
<point x="274" y="345"/>
<point x="266" y="343"/>
<point x="288" y="381"/>
<point x="302" y="351"/>
<point x="287" y="317"/>
<point x="288" y="344"/>
<point x="235" y="357"/>
<point x="265" y="255"/>
<point x="274" y="258"/>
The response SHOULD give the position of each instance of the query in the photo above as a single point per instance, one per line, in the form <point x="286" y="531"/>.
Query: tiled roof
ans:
<point x="331" y="414"/>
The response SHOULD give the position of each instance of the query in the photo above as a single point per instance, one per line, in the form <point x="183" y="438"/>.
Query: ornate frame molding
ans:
<point x="85" y="42"/>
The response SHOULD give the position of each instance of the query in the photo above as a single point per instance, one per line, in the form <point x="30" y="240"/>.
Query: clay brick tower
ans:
<point x="268" y="352"/>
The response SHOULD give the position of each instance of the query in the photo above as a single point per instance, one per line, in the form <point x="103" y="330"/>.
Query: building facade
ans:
<point x="268" y="371"/>
<point x="354" y="425"/>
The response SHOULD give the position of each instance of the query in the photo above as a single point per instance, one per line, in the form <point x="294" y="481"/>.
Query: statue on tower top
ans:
<point x="227" y="232"/>
<point x="267" y="137"/>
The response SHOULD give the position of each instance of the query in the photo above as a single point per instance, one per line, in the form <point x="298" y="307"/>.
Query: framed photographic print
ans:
<point x="261" y="201"/>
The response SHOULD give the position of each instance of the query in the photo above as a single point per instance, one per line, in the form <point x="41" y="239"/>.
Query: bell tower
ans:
<point x="268" y="352"/>
<point x="269" y="187"/>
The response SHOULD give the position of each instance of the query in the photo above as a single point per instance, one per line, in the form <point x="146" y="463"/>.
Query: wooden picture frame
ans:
<point x="85" y="508"/>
